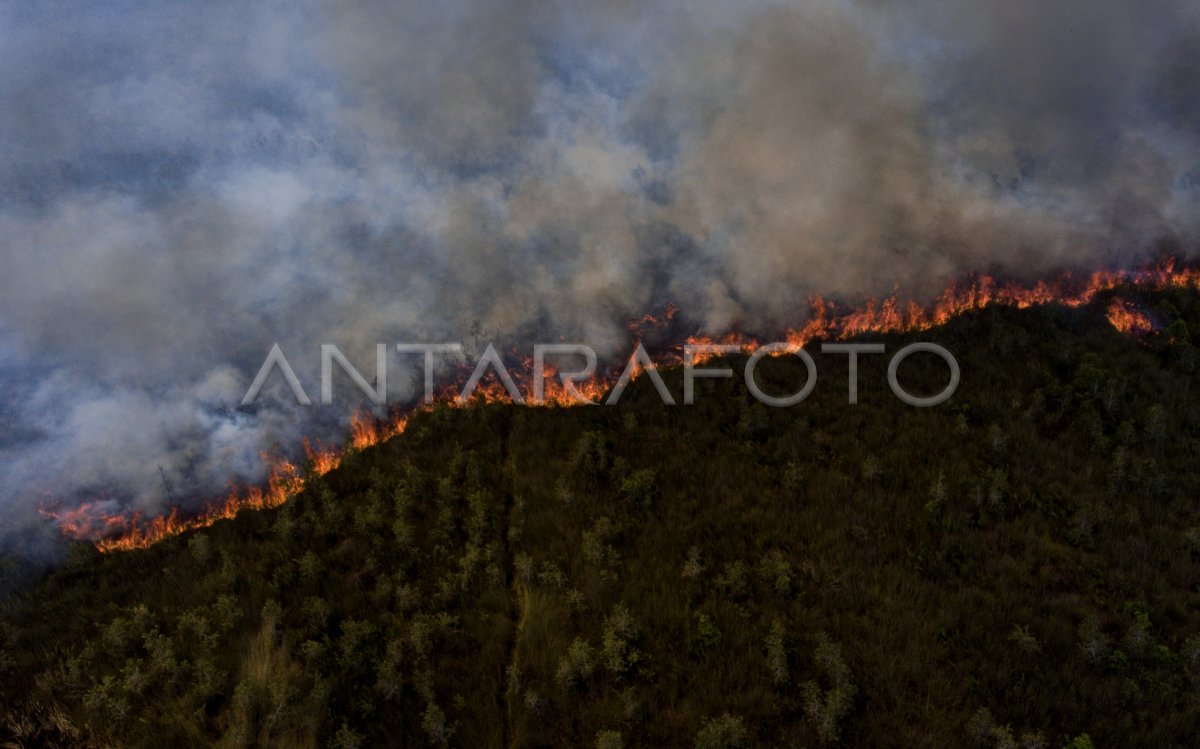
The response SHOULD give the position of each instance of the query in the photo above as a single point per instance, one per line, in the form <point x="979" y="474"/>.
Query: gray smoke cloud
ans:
<point x="186" y="183"/>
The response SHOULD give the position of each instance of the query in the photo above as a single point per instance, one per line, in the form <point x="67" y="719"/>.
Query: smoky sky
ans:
<point x="183" y="184"/>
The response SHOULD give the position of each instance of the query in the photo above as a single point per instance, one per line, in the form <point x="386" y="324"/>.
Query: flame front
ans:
<point x="114" y="532"/>
<point x="117" y="532"/>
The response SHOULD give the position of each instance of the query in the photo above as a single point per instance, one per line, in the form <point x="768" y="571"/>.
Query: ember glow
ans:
<point x="92" y="521"/>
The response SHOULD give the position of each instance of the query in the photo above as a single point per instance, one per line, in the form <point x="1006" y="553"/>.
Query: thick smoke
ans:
<point x="186" y="183"/>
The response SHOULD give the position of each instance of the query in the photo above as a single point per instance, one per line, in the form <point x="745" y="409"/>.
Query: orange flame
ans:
<point x="113" y="532"/>
<point x="1127" y="319"/>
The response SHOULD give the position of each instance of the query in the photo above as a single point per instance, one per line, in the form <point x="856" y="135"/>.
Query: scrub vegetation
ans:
<point x="1017" y="567"/>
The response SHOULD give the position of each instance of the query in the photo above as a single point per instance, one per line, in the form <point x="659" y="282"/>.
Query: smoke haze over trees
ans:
<point x="186" y="183"/>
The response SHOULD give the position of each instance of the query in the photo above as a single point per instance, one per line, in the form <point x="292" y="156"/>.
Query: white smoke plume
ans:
<point x="185" y="183"/>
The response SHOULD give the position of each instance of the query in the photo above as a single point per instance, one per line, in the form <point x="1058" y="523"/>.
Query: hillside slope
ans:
<point x="1022" y="561"/>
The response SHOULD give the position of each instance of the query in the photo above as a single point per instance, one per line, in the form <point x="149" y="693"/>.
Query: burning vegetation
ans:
<point x="725" y="574"/>
<point x="94" y="521"/>
<point x="1128" y="319"/>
